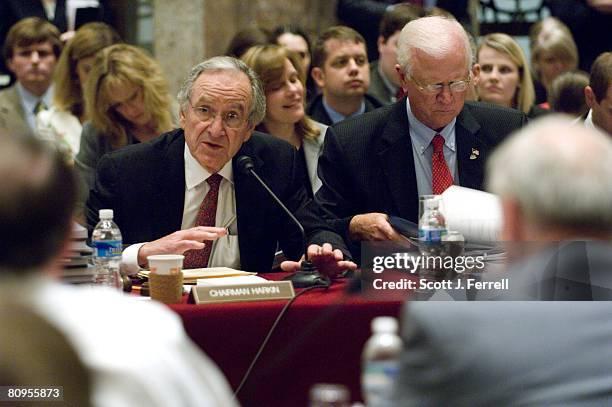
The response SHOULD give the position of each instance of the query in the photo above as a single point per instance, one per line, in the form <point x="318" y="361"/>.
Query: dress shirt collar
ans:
<point x="588" y="122"/>
<point x="29" y="101"/>
<point x="338" y="117"/>
<point x="422" y="135"/>
<point x="195" y="174"/>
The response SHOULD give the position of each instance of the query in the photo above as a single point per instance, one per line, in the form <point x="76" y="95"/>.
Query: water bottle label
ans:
<point x="431" y="235"/>
<point x="107" y="248"/>
<point x="379" y="381"/>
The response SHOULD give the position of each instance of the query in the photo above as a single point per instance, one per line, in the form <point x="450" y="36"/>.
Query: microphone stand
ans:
<point x="308" y="275"/>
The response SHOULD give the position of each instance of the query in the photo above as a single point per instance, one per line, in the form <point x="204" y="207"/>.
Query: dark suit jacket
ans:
<point x="367" y="163"/>
<point x="317" y="112"/>
<point x="145" y="186"/>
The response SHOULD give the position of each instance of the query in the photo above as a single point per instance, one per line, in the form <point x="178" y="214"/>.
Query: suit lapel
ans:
<point x="171" y="181"/>
<point x="12" y="115"/>
<point x="397" y="162"/>
<point x="470" y="150"/>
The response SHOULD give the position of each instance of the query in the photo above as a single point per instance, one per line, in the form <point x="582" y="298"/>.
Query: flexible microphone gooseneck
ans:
<point x="307" y="275"/>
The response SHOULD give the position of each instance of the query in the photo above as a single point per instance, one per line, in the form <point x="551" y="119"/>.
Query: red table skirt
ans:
<point x="319" y="340"/>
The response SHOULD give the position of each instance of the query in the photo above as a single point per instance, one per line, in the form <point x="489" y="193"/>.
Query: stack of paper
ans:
<point x="191" y="276"/>
<point x="77" y="267"/>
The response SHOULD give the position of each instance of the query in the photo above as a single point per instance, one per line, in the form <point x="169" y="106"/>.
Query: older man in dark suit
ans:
<point x="379" y="163"/>
<point x="185" y="192"/>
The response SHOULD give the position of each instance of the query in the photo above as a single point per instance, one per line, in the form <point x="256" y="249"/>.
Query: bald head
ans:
<point x="37" y="195"/>
<point x="558" y="174"/>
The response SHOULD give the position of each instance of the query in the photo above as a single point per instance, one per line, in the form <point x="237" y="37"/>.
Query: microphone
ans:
<point x="307" y="275"/>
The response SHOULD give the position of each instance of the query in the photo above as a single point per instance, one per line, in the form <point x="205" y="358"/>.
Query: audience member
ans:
<point x="66" y="15"/>
<point x="165" y="368"/>
<point x="505" y="79"/>
<point x="553" y="51"/>
<point x="385" y="81"/>
<point x="567" y="94"/>
<point x="590" y="23"/>
<point x="378" y="164"/>
<point x="528" y="352"/>
<point x="31" y="50"/>
<point x="365" y="16"/>
<point x="156" y="188"/>
<point x="342" y="72"/>
<point x="294" y="37"/>
<point x="283" y="83"/>
<point x="126" y="100"/>
<point x="245" y="39"/>
<point x="598" y="94"/>
<point x="62" y="123"/>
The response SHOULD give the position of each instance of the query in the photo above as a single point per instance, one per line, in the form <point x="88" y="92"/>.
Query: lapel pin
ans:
<point x="475" y="154"/>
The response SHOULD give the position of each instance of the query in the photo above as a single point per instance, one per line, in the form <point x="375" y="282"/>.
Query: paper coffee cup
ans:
<point x="166" y="264"/>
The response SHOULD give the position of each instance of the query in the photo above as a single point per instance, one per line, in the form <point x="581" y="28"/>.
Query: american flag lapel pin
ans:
<point x="475" y="154"/>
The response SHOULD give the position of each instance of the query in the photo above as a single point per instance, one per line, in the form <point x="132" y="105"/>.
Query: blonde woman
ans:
<point x="505" y="79"/>
<point x="553" y="52"/>
<point x="281" y="73"/>
<point x="63" y="122"/>
<point x="126" y="101"/>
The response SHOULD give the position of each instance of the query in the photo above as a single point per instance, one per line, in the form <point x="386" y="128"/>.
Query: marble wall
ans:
<point x="188" y="31"/>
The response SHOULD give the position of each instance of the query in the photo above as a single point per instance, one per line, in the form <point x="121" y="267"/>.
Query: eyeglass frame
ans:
<point x="438" y="87"/>
<point x="198" y="111"/>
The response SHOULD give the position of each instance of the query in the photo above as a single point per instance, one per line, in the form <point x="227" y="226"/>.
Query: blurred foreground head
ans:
<point x="555" y="181"/>
<point x="37" y="196"/>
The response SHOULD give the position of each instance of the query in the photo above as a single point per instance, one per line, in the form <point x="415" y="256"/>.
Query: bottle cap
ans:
<point x="384" y="325"/>
<point x="106" y="213"/>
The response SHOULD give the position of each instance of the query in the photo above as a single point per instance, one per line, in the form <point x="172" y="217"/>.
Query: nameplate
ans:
<point x="273" y="290"/>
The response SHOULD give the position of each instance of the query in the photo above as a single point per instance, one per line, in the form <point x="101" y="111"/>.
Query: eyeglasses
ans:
<point x="232" y="119"/>
<point x="434" y="89"/>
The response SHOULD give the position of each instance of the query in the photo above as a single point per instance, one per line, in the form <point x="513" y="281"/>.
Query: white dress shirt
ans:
<point x="137" y="351"/>
<point x="225" y="250"/>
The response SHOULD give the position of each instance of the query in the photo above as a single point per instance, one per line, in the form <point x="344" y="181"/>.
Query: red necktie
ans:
<point x="441" y="177"/>
<point x="206" y="217"/>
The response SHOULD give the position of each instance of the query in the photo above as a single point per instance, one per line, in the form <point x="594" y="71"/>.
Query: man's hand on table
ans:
<point x="179" y="242"/>
<point x="372" y="226"/>
<point x="328" y="261"/>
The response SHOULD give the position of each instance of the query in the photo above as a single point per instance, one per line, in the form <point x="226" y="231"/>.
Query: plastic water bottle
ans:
<point x="380" y="363"/>
<point x="107" y="244"/>
<point x="432" y="229"/>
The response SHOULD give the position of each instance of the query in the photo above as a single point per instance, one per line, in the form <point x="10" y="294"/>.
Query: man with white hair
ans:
<point x="555" y="182"/>
<point x="379" y="163"/>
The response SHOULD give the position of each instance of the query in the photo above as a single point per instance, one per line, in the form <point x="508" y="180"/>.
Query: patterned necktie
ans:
<point x="206" y="217"/>
<point x="441" y="177"/>
<point x="40" y="106"/>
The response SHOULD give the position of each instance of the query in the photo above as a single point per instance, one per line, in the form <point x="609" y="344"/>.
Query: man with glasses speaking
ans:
<point x="185" y="193"/>
<point x="379" y="163"/>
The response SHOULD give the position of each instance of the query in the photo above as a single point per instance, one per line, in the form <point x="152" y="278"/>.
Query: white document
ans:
<point x="231" y="280"/>
<point x="475" y="214"/>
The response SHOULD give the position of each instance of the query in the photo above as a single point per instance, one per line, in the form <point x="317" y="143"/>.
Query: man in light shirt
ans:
<point x="137" y="353"/>
<point x="31" y="51"/>
<point x="161" y="191"/>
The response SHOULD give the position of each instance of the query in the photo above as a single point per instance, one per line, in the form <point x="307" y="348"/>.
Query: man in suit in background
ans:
<point x="187" y="187"/>
<point x="37" y="197"/>
<point x="555" y="183"/>
<point x="598" y="95"/>
<point x="379" y="163"/>
<point x="31" y="51"/>
<point x="342" y="72"/>
<point x="384" y="79"/>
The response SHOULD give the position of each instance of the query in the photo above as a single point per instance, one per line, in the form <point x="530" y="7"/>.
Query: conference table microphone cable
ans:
<point x="269" y="335"/>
